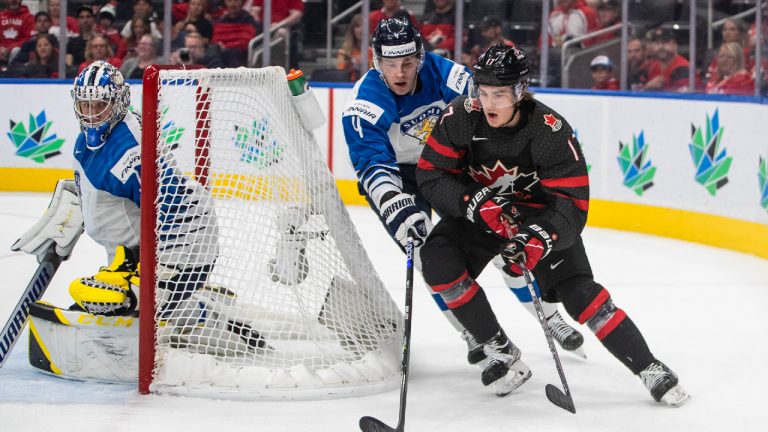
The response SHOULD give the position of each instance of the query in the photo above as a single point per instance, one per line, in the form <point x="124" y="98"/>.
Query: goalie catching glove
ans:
<point x="113" y="290"/>
<point x="404" y="219"/>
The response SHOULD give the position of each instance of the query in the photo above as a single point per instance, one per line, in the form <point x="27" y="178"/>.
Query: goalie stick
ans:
<point x="370" y="424"/>
<point x="49" y="263"/>
<point x="554" y="394"/>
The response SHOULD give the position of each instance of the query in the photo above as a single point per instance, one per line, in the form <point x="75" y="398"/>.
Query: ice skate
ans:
<point x="663" y="384"/>
<point x="505" y="370"/>
<point x="566" y="336"/>
<point x="475" y="354"/>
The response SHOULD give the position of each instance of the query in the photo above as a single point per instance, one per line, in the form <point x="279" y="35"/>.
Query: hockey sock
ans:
<point x="477" y="317"/>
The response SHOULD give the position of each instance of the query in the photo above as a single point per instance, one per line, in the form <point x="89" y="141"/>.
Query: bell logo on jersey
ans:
<point x="553" y="122"/>
<point x="420" y="126"/>
<point x="506" y="181"/>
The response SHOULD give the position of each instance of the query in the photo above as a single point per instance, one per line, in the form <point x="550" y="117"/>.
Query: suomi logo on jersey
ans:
<point x="708" y="156"/>
<point x="35" y="143"/>
<point x="257" y="143"/>
<point x="634" y="163"/>
<point x="420" y="127"/>
<point x="762" y="178"/>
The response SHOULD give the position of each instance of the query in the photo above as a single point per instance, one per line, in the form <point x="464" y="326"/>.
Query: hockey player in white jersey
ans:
<point x="389" y="118"/>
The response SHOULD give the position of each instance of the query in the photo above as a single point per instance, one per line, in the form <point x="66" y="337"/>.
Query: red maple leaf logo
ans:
<point x="553" y="122"/>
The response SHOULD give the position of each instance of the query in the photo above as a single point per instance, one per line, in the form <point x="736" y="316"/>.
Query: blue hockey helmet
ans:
<point x="101" y="98"/>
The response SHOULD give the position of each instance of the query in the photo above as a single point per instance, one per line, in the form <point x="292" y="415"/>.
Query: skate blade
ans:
<point x="578" y="352"/>
<point x="509" y="383"/>
<point x="676" y="397"/>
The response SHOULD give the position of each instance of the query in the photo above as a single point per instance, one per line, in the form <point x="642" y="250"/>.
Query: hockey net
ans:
<point x="256" y="285"/>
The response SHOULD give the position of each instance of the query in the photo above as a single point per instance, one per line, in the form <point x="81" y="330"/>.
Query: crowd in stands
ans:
<point x="217" y="33"/>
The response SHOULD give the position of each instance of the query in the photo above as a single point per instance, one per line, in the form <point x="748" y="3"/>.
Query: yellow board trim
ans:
<point x="718" y="231"/>
<point x="39" y="340"/>
<point x="32" y="179"/>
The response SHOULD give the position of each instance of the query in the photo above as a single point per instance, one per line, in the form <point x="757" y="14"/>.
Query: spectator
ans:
<point x="734" y="30"/>
<point x="44" y="63"/>
<point x="437" y="28"/>
<point x="139" y="26"/>
<point x="104" y="20"/>
<point x="54" y="9"/>
<point x="608" y="14"/>
<point x="287" y="14"/>
<point x="639" y="65"/>
<point x="145" y="9"/>
<point x="569" y="19"/>
<point x="86" y="25"/>
<point x="42" y="26"/>
<point x="146" y="54"/>
<point x="388" y="10"/>
<point x="195" y="52"/>
<point x="99" y="48"/>
<point x="16" y="26"/>
<point x="670" y="73"/>
<point x="195" y="12"/>
<point x="492" y="30"/>
<point x="736" y="79"/>
<point x="203" y="27"/>
<point x="348" y="57"/>
<point x="233" y="31"/>
<point x="602" y="74"/>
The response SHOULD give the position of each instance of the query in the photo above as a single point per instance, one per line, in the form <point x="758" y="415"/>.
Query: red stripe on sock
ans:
<point x="464" y="298"/>
<point x="615" y="320"/>
<point x="590" y="310"/>
<point x="445" y="286"/>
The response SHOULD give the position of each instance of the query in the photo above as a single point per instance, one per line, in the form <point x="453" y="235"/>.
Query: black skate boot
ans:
<point x="475" y="354"/>
<point x="566" y="336"/>
<point x="505" y="370"/>
<point x="663" y="384"/>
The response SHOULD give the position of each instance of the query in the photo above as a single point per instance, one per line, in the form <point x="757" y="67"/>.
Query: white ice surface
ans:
<point x="702" y="311"/>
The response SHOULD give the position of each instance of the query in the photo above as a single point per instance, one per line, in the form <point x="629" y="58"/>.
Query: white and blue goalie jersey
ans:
<point x="108" y="182"/>
<point x="383" y="130"/>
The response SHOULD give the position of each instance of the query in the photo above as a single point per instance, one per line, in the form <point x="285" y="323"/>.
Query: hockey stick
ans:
<point x="557" y="397"/>
<point x="370" y="424"/>
<point x="49" y="263"/>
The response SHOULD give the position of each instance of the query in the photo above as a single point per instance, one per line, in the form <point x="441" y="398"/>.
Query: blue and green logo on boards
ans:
<point x="635" y="165"/>
<point x="709" y="157"/>
<point x="34" y="140"/>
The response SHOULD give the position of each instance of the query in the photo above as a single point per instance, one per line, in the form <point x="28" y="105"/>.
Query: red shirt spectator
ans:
<point x="16" y="25"/>
<point x="569" y="19"/>
<point x="735" y="77"/>
<point x="437" y="27"/>
<point x="235" y="28"/>
<point x="740" y="83"/>
<point x="670" y="73"/>
<point x="602" y="74"/>
<point x="390" y="9"/>
<point x="281" y="9"/>
<point x="54" y="9"/>
<point x="99" y="48"/>
<point x="608" y="14"/>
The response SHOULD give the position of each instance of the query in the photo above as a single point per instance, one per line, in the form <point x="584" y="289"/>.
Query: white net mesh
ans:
<point x="263" y="288"/>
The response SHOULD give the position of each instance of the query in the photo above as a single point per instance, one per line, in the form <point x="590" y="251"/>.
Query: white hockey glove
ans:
<point x="114" y="289"/>
<point x="61" y="224"/>
<point x="403" y="218"/>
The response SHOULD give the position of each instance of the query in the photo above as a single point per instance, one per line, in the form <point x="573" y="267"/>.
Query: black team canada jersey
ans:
<point x="538" y="165"/>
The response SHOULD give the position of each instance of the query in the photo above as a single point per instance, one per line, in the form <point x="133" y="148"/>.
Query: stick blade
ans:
<point x="557" y="397"/>
<point x="370" y="424"/>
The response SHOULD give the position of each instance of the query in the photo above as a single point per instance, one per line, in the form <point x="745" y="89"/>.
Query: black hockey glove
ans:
<point x="529" y="245"/>
<point x="404" y="219"/>
<point x="494" y="213"/>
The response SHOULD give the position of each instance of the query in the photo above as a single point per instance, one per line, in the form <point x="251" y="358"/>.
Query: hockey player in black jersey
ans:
<point x="510" y="178"/>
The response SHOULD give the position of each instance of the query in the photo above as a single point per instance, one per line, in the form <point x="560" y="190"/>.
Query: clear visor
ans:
<point x="93" y="112"/>
<point x="392" y="65"/>
<point x="495" y="97"/>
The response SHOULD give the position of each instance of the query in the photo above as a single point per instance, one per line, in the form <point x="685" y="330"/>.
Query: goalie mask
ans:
<point x="101" y="99"/>
<point x="500" y="66"/>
